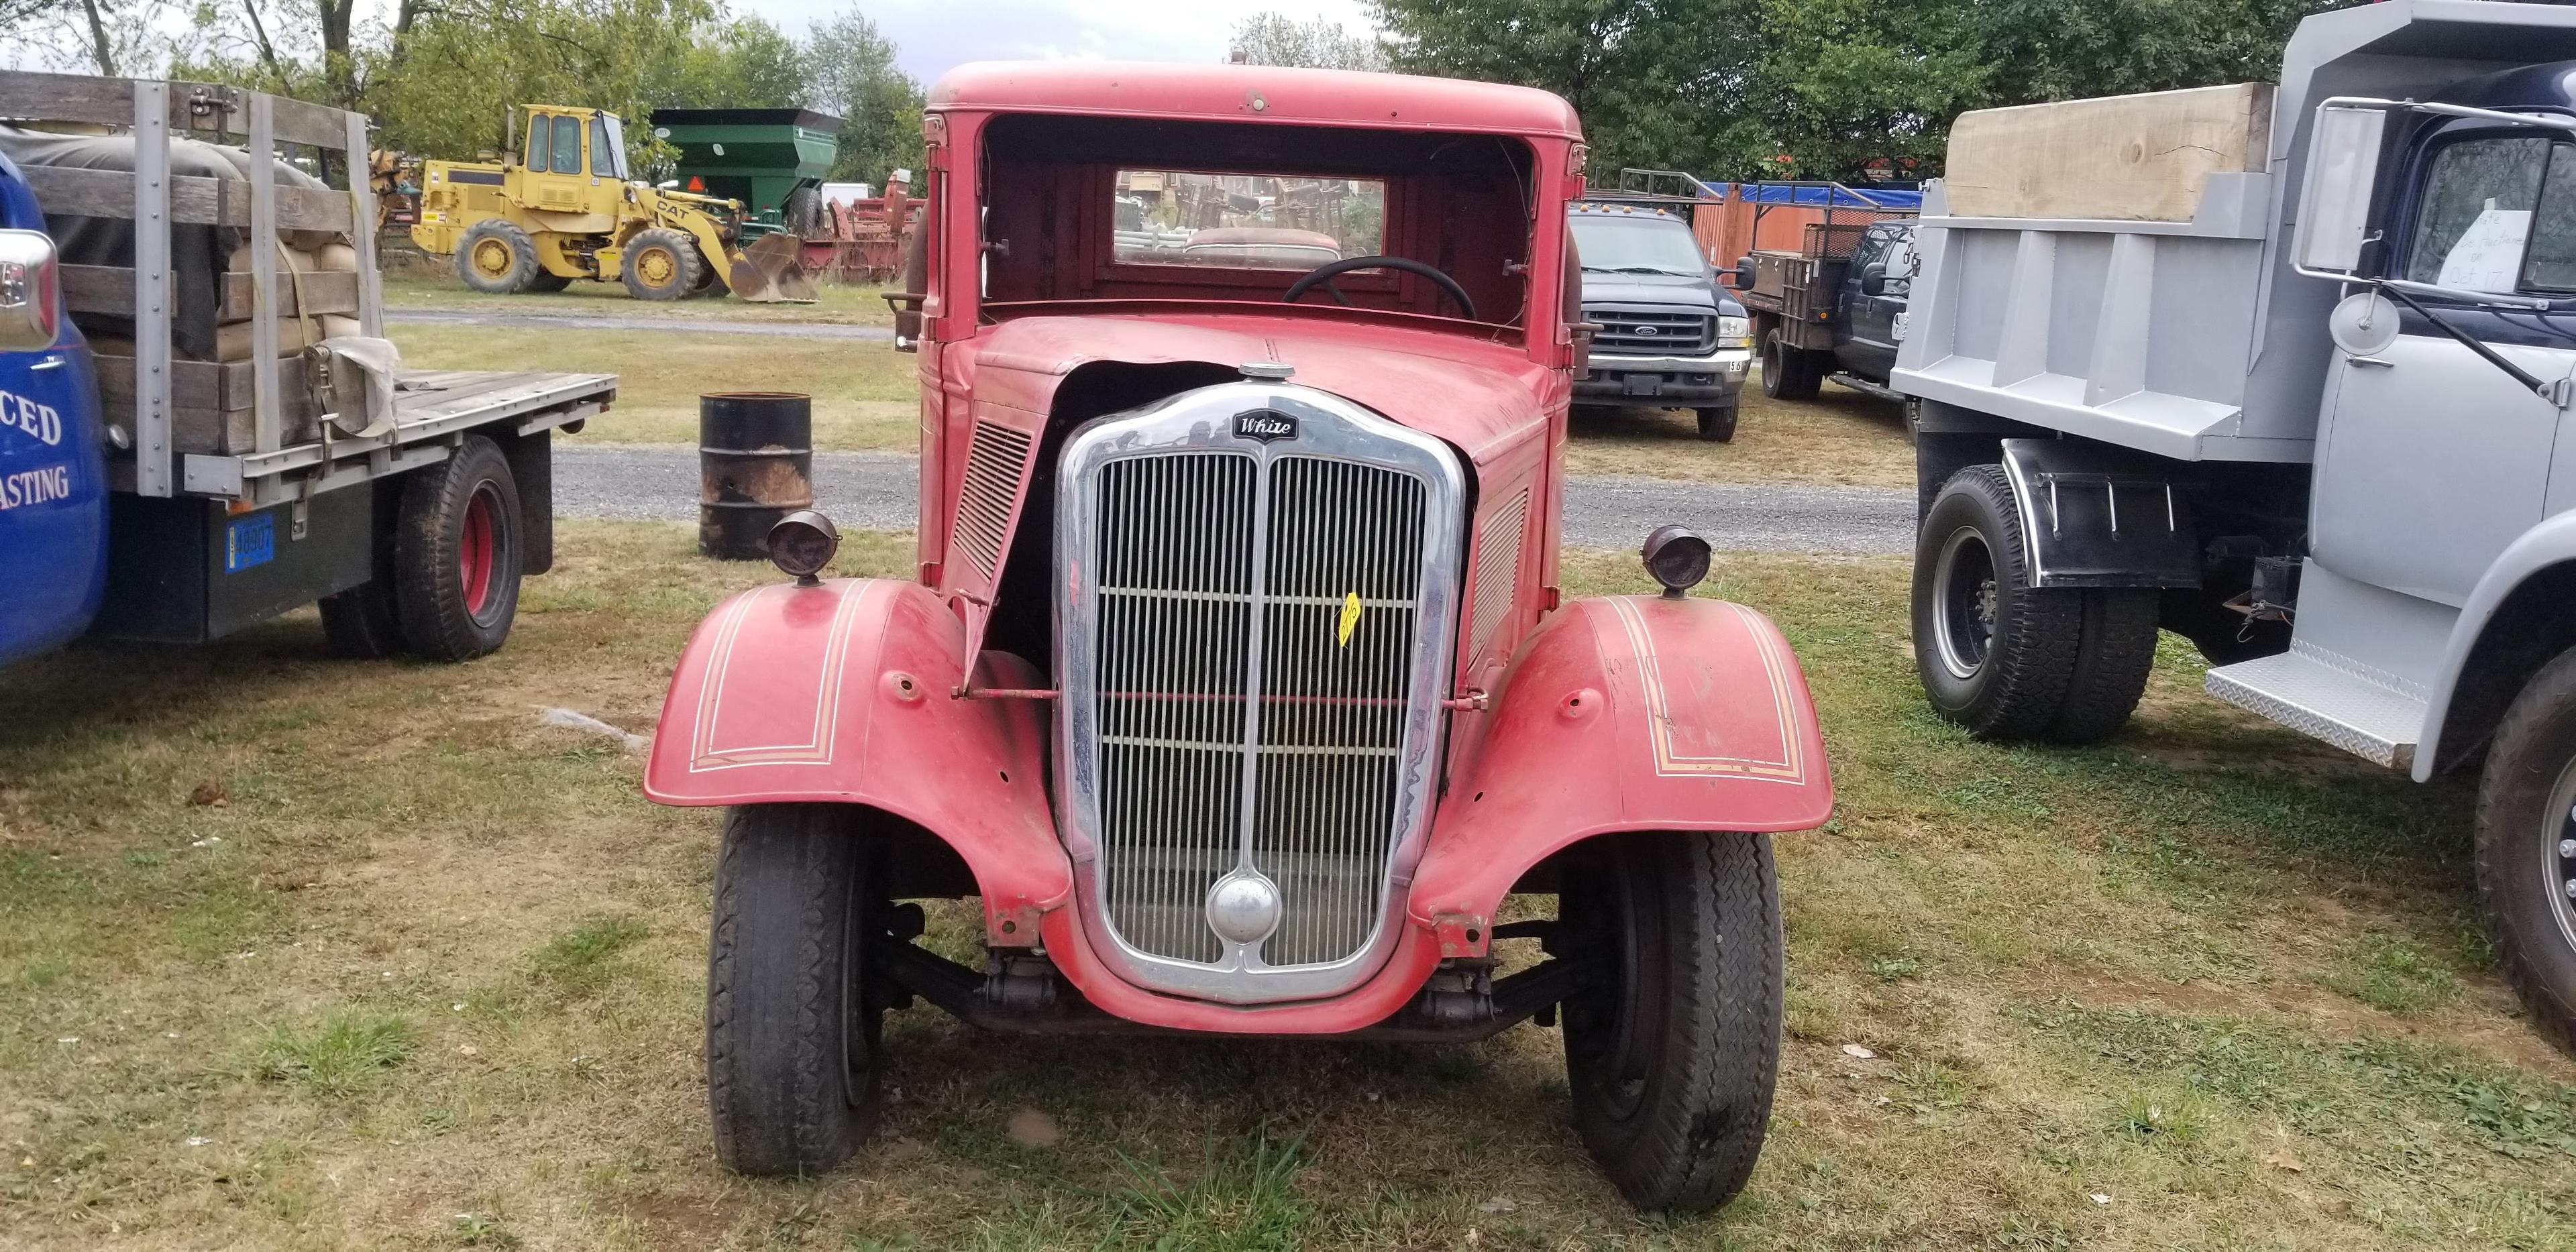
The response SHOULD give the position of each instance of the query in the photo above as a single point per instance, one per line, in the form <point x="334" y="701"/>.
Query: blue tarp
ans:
<point x="1819" y="196"/>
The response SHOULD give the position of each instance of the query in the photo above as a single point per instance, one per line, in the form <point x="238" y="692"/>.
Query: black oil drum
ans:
<point x="755" y="465"/>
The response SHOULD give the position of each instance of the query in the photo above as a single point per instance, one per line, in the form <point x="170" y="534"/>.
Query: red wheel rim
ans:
<point x="475" y="549"/>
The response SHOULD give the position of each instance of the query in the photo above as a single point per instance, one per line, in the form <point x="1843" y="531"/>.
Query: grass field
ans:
<point x="864" y="395"/>
<point x="439" y="289"/>
<point x="297" y="953"/>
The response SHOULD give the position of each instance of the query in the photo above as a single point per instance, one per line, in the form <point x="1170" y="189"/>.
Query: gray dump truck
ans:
<point x="2285" y="370"/>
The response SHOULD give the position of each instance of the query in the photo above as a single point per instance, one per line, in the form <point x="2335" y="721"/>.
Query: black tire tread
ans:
<point x="775" y="1091"/>
<point x="361" y="624"/>
<point x="1722" y="998"/>
<point x="2507" y="782"/>
<point x="1717" y="423"/>
<point x="693" y="268"/>
<point x="2035" y="642"/>
<point x="2112" y="661"/>
<point x="428" y="602"/>
<point x="523" y="257"/>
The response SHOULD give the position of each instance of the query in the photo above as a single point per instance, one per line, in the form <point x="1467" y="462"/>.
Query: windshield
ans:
<point x="1646" y="244"/>
<point x="608" y="147"/>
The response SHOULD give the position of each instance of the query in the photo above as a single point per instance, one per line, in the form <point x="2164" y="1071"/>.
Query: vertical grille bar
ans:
<point x="1175" y="565"/>
<point x="1333" y="706"/>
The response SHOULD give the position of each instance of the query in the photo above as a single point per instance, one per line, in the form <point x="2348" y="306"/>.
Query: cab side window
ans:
<point x="567" y="155"/>
<point x="2495" y="216"/>
<point x="603" y="154"/>
<point x="538" y="130"/>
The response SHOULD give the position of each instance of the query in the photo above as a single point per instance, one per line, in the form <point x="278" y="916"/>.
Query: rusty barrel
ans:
<point x="755" y="465"/>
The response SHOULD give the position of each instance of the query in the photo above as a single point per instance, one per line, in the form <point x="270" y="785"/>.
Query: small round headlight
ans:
<point x="802" y="543"/>
<point x="1676" y="558"/>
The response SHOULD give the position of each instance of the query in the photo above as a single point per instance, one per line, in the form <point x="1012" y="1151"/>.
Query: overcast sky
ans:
<point x="937" y="34"/>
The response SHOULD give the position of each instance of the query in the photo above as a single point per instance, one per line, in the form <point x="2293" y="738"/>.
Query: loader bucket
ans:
<point x="772" y="271"/>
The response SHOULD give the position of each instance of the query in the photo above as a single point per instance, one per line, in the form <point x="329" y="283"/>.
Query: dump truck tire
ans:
<point x="497" y="258"/>
<point x="2526" y="848"/>
<point x="1996" y="653"/>
<point x="662" y="264"/>
<point x="2112" y="660"/>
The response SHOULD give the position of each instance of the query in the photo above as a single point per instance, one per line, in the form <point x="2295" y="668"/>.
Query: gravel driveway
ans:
<point x="875" y="490"/>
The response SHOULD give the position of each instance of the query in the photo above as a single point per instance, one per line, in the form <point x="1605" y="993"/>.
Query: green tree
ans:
<point x="1277" y="39"/>
<point x="1823" y="88"/>
<point x="1656" y="81"/>
<point x="853" y="75"/>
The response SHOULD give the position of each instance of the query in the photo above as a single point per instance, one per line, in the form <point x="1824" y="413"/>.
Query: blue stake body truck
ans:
<point x="201" y="424"/>
<point x="53" y="471"/>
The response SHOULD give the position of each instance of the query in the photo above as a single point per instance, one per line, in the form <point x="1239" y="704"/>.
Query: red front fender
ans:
<point x="840" y="693"/>
<point x="1623" y="713"/>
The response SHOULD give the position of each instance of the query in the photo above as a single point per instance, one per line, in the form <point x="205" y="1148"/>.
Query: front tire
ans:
<point x="1672" y="1047"/>
<point x="457" y="554"/>
<point x="496" y="258"/>
<point x="1995" y="653"/>
<point x="2526" y="848"/>
<point x="661" y="264"/>
<point x="1717" y="425"/>
<point x="792" y="1036"/>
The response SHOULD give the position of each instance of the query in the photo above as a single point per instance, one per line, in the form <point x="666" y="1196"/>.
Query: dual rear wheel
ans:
<point x="2004" y="657"/>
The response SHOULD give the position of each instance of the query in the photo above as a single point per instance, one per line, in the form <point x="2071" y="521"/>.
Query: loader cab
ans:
<point x="573" y="161"/>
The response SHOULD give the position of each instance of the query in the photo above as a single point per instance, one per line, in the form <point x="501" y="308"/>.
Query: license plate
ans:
<point x="1645" y="385"/>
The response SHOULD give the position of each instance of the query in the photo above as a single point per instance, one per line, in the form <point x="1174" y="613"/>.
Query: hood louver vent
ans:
<point x="996" y="461"/>
<point x="1498" y="570"/>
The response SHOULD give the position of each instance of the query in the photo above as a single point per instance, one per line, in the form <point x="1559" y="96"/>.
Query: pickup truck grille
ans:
<point x="1650" y="331"/>
<point x="1231" y="714"/>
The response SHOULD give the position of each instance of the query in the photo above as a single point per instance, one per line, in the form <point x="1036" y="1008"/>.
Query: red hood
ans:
<point x="1479" y="395"/>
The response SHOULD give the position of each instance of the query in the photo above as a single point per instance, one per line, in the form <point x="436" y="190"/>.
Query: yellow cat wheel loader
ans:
<point x="562" y="208"/>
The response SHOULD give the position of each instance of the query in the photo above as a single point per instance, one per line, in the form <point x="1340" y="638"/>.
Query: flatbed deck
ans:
<point x="430" y="408"/>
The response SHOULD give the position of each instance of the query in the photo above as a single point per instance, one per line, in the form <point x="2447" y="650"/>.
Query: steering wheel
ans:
<point x="1328" y="271"/>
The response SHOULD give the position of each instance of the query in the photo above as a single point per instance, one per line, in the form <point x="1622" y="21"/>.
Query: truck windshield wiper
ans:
<point x="1647" y="269"/>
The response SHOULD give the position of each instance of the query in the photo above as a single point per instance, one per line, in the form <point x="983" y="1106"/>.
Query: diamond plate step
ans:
<point x="2323" y="697"/>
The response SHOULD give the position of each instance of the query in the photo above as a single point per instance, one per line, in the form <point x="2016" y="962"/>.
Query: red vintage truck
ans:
<point x="1236" y="679"/>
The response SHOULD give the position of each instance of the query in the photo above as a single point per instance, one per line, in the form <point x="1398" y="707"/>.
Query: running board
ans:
<point x="2325" y="697"/>
<point x="1868" y="388"/>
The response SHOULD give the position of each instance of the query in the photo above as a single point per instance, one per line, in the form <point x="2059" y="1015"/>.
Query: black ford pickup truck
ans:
<point x="1668" y="336"/>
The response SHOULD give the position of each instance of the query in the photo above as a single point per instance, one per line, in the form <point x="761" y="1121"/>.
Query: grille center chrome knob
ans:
<point x="1243" y="907"/>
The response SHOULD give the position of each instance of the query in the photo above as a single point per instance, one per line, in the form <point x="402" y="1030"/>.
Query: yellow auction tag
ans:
<point x="1350" y="618"/>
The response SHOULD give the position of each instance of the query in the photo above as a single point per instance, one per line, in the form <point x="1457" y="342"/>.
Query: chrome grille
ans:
<point x="995" y="459"/>
<point x="1176" y="604"/>
<point x="1254" y="641"/>
<point x="1651" y="331"/>
<point x="1345" y="550"/>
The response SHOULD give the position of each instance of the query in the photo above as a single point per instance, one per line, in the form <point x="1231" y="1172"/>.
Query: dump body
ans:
<point x="2175" y="326"/>
<point x="761" y="157"/>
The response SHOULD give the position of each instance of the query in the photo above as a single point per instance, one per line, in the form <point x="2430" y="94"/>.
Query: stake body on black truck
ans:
<point x="201" y="426"/>
<point x="2288" y="372"/>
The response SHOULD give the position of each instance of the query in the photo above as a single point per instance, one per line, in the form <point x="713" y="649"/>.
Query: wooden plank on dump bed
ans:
<point x="2119" y="158"/>
<point x="193" y="199"/>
